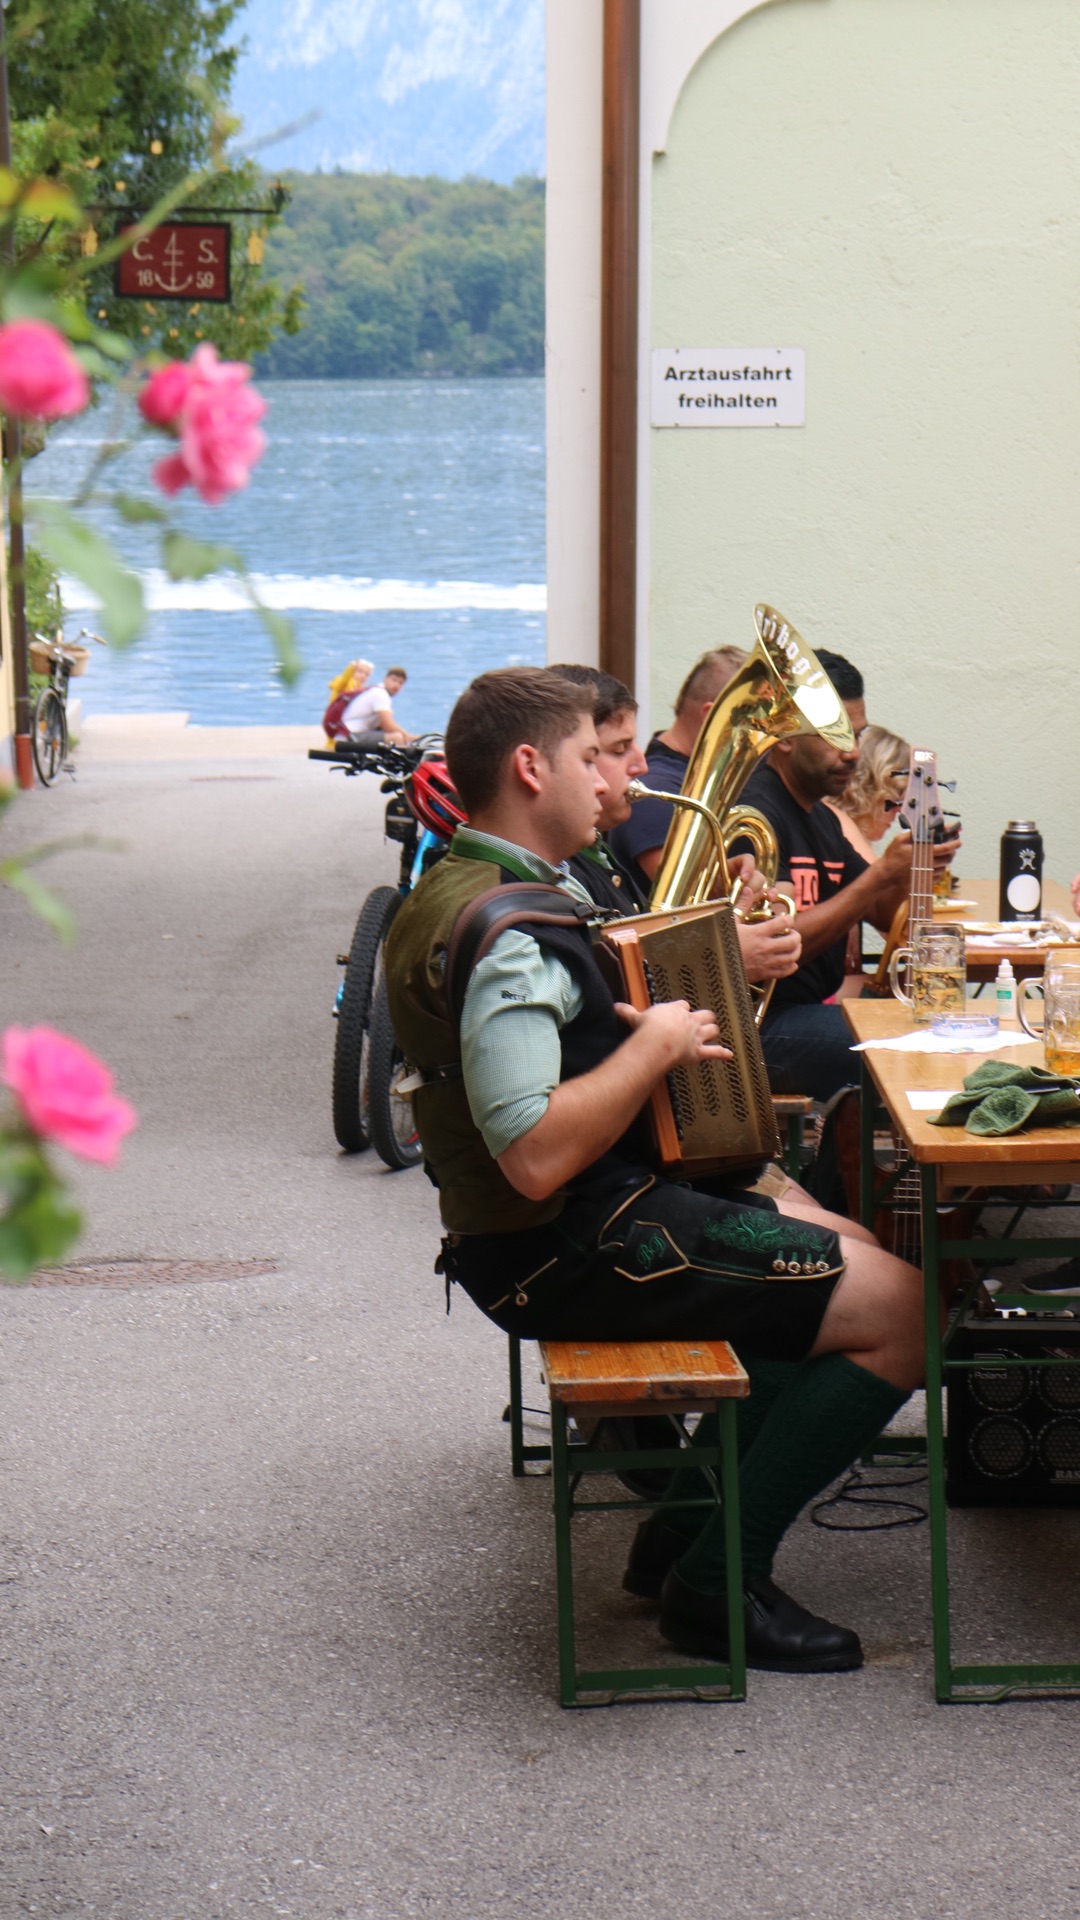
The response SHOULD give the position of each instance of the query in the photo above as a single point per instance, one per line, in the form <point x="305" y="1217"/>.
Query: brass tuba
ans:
<point x="780" y="691"/>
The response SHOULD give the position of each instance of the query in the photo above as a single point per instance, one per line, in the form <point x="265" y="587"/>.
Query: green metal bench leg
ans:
<point x="580" y="1688"/>
<point x="729" y="1486"/>
<point x="520" y="1453"/>
<point x="564" y="1567"/>
<point x="517" y="1431"/>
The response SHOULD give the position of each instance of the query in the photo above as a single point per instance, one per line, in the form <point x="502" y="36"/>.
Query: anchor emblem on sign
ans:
<point x="172" y="258"/>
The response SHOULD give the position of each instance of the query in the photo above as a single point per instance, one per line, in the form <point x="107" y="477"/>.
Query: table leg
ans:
<point x="935" y="1441"/>
<point x="868" y="1100"/>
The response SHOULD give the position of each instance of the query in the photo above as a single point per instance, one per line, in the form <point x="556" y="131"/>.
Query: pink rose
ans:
<point x="40" y="378"/>
<point x="164" y="393"/>
<point x="214" y="414"/>
<point x="65" y="1093"/>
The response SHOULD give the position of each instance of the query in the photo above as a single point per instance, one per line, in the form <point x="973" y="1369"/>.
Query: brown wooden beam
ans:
<point x="619" y="339"/>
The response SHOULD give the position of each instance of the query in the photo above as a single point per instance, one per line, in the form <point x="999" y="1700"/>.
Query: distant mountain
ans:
<point x="447" y="87"/>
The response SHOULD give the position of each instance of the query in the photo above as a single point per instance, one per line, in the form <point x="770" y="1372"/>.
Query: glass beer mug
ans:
<point x="936" y="971"/>
<point x="1060" y="989"/>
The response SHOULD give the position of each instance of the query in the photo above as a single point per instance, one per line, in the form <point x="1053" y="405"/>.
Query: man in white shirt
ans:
<point x="369" y="718"/>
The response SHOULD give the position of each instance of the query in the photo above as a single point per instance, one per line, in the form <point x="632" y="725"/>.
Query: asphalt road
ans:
<point x="276" y="1624"/>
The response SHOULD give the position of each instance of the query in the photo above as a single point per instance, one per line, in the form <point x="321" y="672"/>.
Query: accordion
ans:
<point x="716" y="1116"/>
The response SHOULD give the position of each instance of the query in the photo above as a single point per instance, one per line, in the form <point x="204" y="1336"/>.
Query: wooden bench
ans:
<point x="596" y="1379"/>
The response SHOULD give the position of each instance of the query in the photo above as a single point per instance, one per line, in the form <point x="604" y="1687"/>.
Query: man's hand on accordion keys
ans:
<point x="681" y="1034"/>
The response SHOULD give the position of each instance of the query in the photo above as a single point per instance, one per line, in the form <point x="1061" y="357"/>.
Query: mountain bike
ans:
<point x="367" y="1108"/>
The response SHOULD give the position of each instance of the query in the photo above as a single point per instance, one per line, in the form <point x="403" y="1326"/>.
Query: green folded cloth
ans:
<point x="998" y="1098"/>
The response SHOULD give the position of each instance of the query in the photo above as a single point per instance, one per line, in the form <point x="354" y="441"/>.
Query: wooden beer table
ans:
<point x="949" y="1157"/>
<point x="983" y="956"/>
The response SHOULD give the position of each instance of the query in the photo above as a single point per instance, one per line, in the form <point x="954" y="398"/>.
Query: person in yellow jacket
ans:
<point x="351" y="680"/>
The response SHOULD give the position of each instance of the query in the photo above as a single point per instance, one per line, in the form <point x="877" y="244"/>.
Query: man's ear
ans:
<point x="525" y="761"/>
<point x="783" y="746"/>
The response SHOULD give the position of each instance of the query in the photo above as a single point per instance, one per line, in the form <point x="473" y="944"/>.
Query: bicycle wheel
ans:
<point x="390" y="1115"/>
<point x="351" y="1039"/>
<point x="49" y="735"/>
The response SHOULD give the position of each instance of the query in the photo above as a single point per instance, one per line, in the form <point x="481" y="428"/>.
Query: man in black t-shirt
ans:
<point x="806" y="1043"/>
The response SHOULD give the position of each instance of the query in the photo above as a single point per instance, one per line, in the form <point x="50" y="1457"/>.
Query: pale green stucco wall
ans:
<point x="895" y="186"/>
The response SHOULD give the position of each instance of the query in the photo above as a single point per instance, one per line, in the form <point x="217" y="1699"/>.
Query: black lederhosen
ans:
<point x="653" y="1259"/>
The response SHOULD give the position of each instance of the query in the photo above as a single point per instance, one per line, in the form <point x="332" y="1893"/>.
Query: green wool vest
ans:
<point x="474" y="1194"/>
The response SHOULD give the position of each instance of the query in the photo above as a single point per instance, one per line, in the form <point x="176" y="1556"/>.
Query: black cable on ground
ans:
<point x="857" y="1490"/>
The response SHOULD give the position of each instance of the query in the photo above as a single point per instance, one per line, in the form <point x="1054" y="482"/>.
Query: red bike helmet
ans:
<point x="434" y="799"/>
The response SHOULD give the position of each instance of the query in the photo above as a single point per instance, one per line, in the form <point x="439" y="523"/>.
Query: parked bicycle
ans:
<point x="421" y="813"/>
<point x="61" y="659"/>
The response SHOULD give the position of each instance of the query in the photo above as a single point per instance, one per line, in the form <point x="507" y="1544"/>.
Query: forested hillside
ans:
<point x="408" y="276"/>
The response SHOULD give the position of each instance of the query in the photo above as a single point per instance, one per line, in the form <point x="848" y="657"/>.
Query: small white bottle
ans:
<point x="1006" y="994"/>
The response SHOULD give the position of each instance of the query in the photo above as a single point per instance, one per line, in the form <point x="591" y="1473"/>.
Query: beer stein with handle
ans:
<point x="1060" y="989"/>
<point x="936" y="972"/>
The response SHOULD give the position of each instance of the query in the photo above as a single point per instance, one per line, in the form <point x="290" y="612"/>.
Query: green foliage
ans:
<point x="37" y="1224"/>
<point x="43" y="610"/>
<point x="96" y="86"/>
<point x="85" y="554"/>
<point x="406" y="276"/>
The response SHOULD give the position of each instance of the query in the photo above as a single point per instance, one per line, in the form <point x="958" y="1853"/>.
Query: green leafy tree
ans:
<point x="122" y="102"/>
<point x="411" y="276"/>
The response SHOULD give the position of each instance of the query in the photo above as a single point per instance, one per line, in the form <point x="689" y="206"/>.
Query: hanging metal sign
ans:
<point x="180" y="260"/>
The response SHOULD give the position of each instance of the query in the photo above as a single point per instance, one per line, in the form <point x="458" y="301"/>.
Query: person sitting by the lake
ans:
<point x="369" y="718"/>
<point x="343" y="688"/>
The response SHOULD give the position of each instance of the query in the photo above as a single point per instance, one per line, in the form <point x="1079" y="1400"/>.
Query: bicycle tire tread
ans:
<point x="372" y="926"/>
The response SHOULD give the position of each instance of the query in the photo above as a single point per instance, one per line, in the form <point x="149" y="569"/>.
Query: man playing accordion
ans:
<point x="530" y="1113"/>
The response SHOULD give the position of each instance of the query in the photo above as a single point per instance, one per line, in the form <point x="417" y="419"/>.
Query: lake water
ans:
<point x="398" y="520"/>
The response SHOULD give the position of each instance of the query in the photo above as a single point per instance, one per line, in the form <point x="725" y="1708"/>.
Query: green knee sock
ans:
<point x="768" y="1378"/>
<point x="816" y="1426"/>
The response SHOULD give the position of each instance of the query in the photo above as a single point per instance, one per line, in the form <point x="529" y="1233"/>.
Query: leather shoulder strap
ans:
<point x="478" y="927"/>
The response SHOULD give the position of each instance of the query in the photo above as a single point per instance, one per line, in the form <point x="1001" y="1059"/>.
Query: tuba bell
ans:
<point x="779" y="692"/>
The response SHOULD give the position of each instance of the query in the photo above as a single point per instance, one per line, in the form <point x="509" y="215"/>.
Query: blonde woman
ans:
<point x="866" y="810"/>
<point x="874" y="795"/>
<point x="344" y="687"/>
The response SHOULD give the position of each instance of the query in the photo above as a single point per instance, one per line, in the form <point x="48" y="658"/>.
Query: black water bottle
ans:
<point x="1021" y="872"/>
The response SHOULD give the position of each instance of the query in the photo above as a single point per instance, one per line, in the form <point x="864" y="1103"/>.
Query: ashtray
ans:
<point x="966" y="1026"/>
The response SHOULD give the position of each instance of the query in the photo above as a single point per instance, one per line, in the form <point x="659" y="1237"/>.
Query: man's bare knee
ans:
<point x="875" y="1316"/>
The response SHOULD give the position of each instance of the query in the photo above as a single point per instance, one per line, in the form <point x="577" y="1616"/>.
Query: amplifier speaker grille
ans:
<point x="1014" y="1431"/>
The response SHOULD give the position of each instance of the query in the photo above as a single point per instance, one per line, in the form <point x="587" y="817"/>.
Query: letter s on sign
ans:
<point x="206" y="251"/>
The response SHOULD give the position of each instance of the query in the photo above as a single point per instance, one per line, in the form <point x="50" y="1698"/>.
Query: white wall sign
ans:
<point x="728" y="387"/>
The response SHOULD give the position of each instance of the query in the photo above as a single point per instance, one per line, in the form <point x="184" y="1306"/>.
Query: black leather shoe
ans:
<point x="781" y="1637"/>
<point x="655" y="1549"/>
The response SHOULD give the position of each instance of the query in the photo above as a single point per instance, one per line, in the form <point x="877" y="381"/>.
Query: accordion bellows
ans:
<point x="718" y="1115"/>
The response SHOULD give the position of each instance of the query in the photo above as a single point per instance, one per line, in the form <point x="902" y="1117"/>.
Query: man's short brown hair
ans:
<point x="507" y="708"/>
<point x="610" y="696"/>
<point x="399" y="673"/>
<point x="713" y="671"/>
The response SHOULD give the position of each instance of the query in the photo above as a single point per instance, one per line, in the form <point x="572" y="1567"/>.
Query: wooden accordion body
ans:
<point x="716" y="1116"/>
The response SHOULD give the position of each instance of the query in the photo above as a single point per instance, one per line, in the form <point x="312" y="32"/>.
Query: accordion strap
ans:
<point x="492" y="913"/>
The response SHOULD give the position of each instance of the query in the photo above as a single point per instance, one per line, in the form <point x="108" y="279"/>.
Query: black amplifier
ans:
<point x="1014" y="1431"/>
